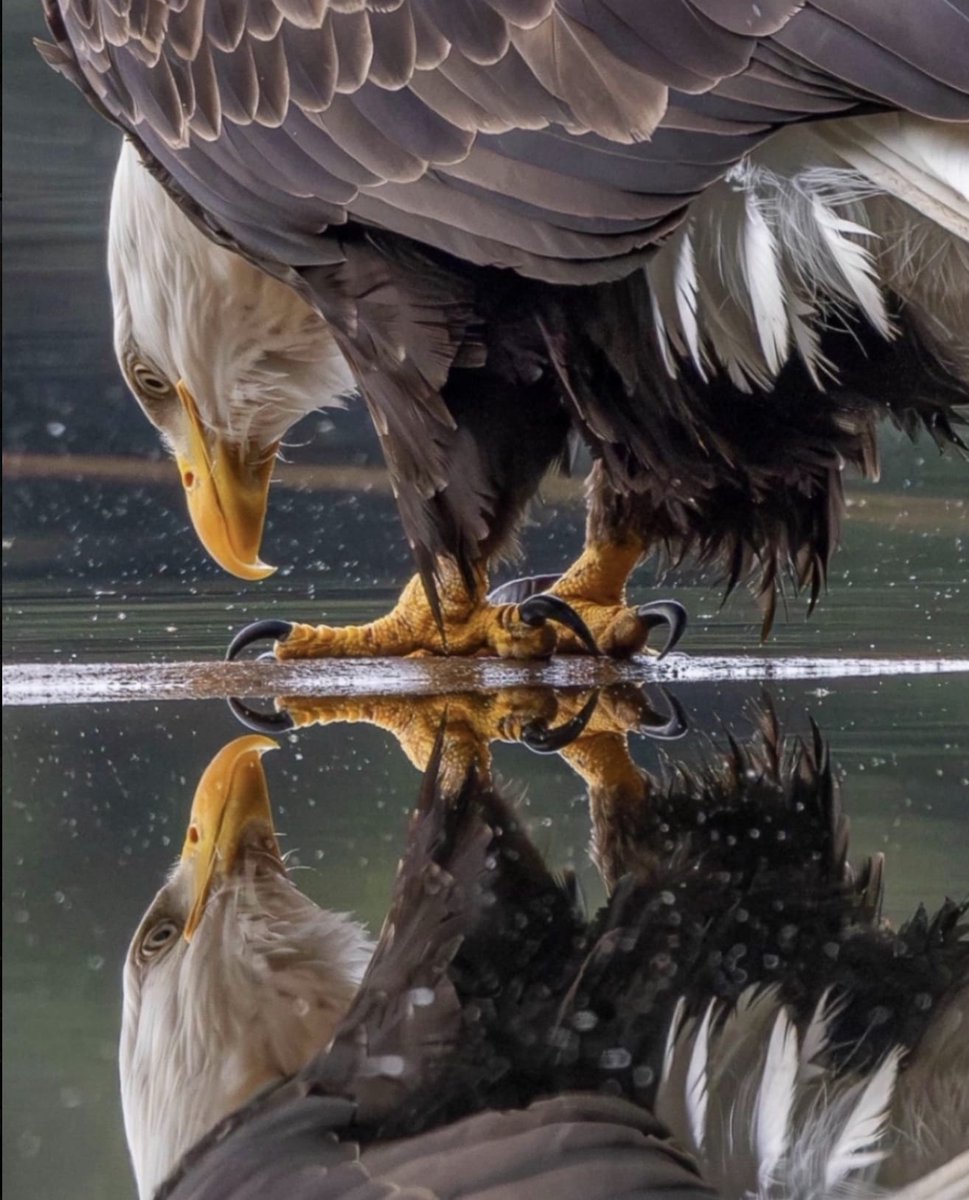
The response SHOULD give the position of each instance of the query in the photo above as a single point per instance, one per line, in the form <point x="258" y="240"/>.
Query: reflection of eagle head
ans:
<point x="233" y="978"/>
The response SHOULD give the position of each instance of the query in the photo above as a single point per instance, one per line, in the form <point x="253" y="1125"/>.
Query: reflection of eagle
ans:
<point x="490" y="991"/>
<point x="255" y="986"/>
<point x="512" y="221"/>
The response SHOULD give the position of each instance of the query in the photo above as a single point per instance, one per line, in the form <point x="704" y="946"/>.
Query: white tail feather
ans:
<point x="659" y="325"/>
<point x="761" y="267"/>
<point x="685" y="286"/>
<point x="806" y="339"/>
<point x="854" y="262"/>
<point x="818" y="223"/>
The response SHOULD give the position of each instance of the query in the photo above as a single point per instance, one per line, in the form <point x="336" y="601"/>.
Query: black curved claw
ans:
<point x="546" y="607"/>
<point x="258" y="631"/>
<point x="547" y="739"/>
<point x="666" y="729"/>
<point x="276" y="722"/>
<point x="665" y="612"/>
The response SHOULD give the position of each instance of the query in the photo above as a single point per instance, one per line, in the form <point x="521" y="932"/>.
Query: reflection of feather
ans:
<point x="865" y="1126"/>
<point x="775" y="1099"/>
<point x="696" y="1078"/>
<point x="764" y="1128"/>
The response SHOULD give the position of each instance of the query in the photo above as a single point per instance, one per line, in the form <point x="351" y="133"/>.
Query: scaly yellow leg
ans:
<point x="471" y="625"/>
<point x="595" y="586"/>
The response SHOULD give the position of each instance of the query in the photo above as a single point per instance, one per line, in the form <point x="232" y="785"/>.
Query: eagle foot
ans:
<point x="470" y="625"/>
<point x="595" y="588"/>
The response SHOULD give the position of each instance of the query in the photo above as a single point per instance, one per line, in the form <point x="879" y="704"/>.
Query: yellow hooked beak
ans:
<point x="227" y="490"/>
<point x="230" y="812"/>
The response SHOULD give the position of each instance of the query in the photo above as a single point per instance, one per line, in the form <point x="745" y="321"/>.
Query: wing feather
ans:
<point x="206" y="119"/>
<point x="186" y="28"/>
<point x="314" y="68"/>
<point x="304" y="14"/>
<point x="394" y="47"/>
<point x="354" y="49"/>
<point x="225" y="24"/>
<point x="568" y="84"/>
<point x="272" y="73"/>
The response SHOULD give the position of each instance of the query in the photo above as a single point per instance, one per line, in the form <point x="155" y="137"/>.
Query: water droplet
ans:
<point x="643" y="1076"/>
<point x="615" y="1059"/>
<point x="28" y="1144"/>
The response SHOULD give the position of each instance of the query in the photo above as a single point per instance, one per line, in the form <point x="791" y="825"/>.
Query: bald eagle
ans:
<point x="724" y="995"/>
<point x="716" y="240"/>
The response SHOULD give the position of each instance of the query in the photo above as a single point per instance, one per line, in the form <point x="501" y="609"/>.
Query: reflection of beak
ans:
<point x="230" y="813"/>
<point x="226" y="489"/>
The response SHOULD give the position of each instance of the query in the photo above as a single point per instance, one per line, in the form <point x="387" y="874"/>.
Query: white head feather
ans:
<point x="254" y="355"/>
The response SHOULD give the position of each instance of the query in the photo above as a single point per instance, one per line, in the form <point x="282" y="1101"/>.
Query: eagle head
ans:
<point x="222" y="358"/>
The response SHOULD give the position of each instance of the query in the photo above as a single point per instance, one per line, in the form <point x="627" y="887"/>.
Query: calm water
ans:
<point x="100" y="566"/>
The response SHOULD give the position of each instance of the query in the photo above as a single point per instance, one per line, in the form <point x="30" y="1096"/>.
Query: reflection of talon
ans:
<point x="260" y="722"/>
<point x="546" y="739"/>
<point x="540" y="718"/>
<point x="625" y="708"/>
<point x="470" y="625"/>
<point x="594" y="586"/>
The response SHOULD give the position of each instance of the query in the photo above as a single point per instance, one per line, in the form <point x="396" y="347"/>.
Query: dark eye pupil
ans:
<point x="150" y="381"/>
<point x="161" y="934"/>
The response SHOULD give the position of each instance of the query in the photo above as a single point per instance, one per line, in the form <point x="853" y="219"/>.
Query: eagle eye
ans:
<point x="157" y="937"/>
<point x="150" y="381"/>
